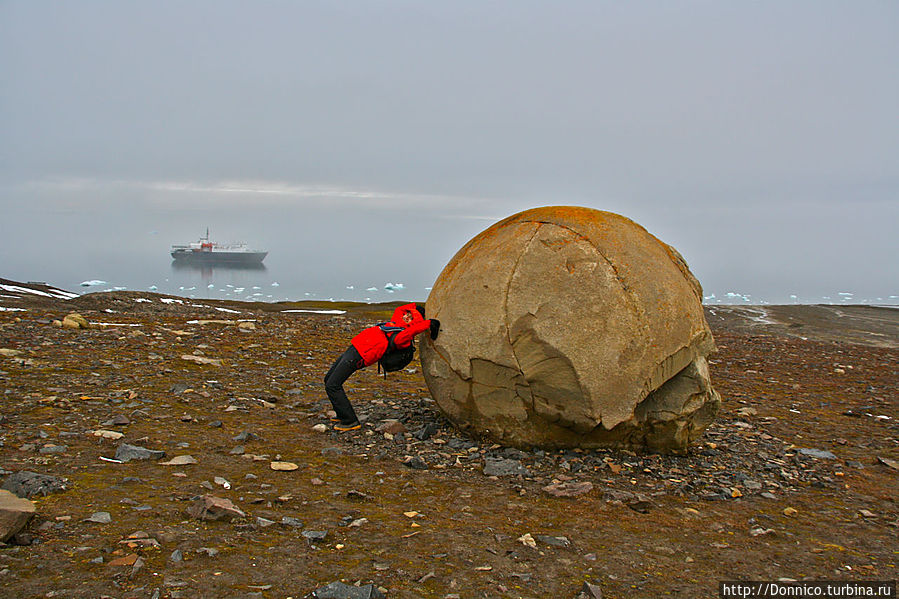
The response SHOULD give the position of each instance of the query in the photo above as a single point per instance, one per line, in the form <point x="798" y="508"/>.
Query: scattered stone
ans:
<point x="504" y="467"/>
<point x="569" y="489"/>
<point x="114" y="435"/>
<point x="126" y="453"/>
<point x="527" y="540"/>
<point x="222" y="481"/>
<point x="246" y="436"/>
<point x="210" y="507"/>
<point x="75" y="321"/>
<point x="426" y="432"/>
<point x="180" y="460"/>
<point x="818" y="453"/>
<point x="209" y="551"/>
<point x="314" y="535"/>
<point x="554" y="541"/>
<point x="117" y="420"/>
<point x="27" y="484"/>
<point x="216" y="424"/>
<point x="128" y="560"/>
<point x="358" y="495"/>
<point x="99" y="518"/>
<point x="320" y="428"/>
<point x="339" y="590"/>
<point x="284" y="466"/>
<point x="53" y="449"/>
<point x="288" y="521"/>
<point x="790" y="511"/>
<point x="393" y="427"/>
<point x="867" y="514"/>
<point x="176" y="556"/>
<point x="201" y="360"/>
<point x="415" y="462"/>
<point x="15" y="513"/>
<point x="888" y="462"/>
<point x="590" y="591"/>
<point x="759" y="531"/>
<point x="238" y="450"/>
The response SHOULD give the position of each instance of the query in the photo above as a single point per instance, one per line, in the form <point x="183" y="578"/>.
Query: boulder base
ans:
<point x="571" y="327"/>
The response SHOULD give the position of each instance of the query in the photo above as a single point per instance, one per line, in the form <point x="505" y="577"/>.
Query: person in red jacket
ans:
<point x="365" y="349"/>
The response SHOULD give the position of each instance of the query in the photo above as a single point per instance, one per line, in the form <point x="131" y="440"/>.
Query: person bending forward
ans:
<point x="365" y="349"/>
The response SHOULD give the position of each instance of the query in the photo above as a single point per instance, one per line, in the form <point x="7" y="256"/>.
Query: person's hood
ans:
<point x="398" y="314"/>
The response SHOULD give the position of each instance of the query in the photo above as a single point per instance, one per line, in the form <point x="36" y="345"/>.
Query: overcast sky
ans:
<point x="759" y="138"/>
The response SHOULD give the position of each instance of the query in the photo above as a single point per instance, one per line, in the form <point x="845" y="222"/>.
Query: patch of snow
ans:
<point x="2" y="309"/>
<point x="169" y="300"/>
<point x="58" y="293"/>
<point x="116" y="324"/>
<point x="318" y="311"/>
<point x="228" y="310"/>
<point x="143" y="300"/>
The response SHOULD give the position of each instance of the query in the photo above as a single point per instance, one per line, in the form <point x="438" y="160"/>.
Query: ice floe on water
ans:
<point x="93" y="283"/>
<point x="391" y="287"/>
<point x="372" y="289"/>
<point x="276" y="284"/>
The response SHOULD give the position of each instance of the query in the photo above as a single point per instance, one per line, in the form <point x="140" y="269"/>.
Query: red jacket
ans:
<point x="371" y="343"/>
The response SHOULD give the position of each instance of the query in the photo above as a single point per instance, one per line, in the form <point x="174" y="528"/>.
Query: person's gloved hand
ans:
<point x="435" y="328"/>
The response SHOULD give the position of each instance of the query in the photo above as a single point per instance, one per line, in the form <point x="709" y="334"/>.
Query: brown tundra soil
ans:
<point x="796" y="479"/>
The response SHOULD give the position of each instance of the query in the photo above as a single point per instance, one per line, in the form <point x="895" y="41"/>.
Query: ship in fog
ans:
<point x="205" y="251"/>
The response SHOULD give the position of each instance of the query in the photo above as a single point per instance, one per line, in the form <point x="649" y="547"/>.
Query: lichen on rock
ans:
<point x="571" y="327"/>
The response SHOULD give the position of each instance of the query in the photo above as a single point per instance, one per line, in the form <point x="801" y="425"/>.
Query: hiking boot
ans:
<point x="342" y="428"/>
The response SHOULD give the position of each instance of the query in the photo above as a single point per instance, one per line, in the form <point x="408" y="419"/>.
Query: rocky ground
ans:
<point x="797" y="478"/>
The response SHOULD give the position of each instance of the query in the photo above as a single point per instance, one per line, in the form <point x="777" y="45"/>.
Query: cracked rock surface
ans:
<point x="571" y="327"/>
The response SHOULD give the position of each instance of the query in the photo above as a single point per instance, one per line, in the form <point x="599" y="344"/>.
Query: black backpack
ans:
<point x="394" y="358"/>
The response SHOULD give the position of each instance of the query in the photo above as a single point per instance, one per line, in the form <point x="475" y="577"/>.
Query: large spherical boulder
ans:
<point x="571" y="327"/>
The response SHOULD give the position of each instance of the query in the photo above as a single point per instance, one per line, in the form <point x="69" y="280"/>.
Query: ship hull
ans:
<point x="194" y="257"/>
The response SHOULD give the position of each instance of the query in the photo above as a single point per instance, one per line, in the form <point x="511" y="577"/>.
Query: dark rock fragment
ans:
<point x="504" y="467"/>
<point x="28" y="484"/>
<point x="339" y="590"/>
<point x="425" y="432"/>
<point x="590" y="591"/>
<point x="416" y="463"/>
<point x="126" y="453"/>
<point x="210" y="507"/>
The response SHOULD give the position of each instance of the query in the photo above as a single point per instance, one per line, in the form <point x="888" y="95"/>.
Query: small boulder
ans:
<point x="339" y="590"/>
<point x="28" y="484"/>
<point x="15" y="513"/>
<point x="126" y="453"/>
<point x="504" y="467"/>
<point x="210" y="507"/>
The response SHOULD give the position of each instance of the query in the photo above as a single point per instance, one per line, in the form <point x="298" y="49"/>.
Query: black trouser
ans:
<point x="349" y="362"/>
